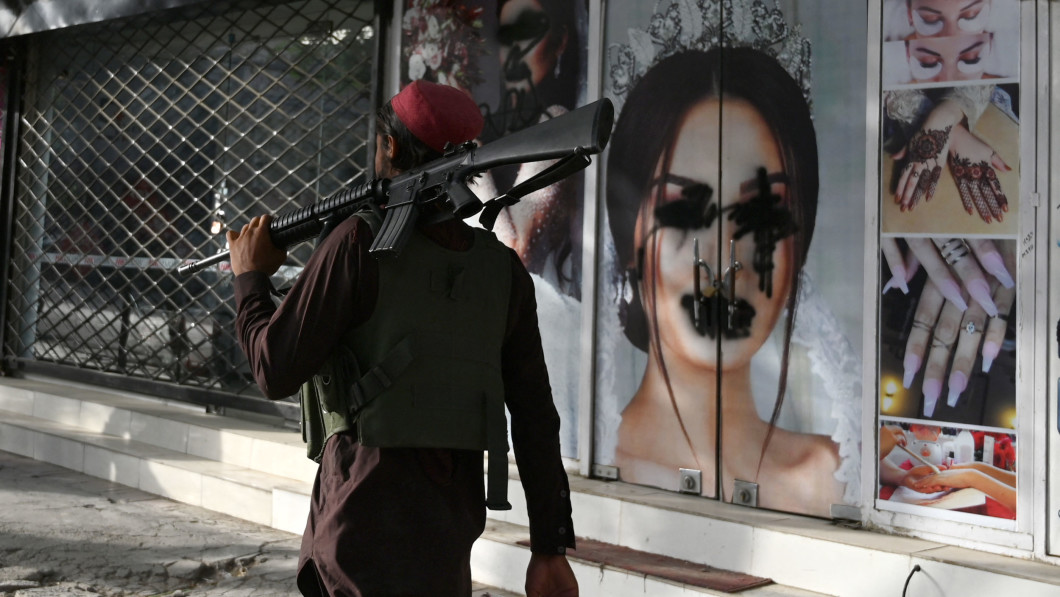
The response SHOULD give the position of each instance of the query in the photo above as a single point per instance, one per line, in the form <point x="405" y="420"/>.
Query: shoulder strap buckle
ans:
<point x="380" y="377"/>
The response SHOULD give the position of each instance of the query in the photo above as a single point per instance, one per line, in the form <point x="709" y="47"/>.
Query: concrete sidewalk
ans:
<point x="65" y="533"/>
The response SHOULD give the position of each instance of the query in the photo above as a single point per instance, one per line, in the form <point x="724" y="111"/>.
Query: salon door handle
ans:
<point x="699" y="265"/>
<point x="730" y="281"/>
<point x="734" y="266"/>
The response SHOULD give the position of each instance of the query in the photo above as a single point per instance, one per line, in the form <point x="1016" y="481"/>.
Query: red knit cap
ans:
<point x="437" y="114"/>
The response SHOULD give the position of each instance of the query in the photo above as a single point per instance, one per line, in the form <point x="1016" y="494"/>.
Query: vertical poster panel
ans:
<point x="523" y="61"/>
<point x="949" y="220"/>
<point x="785" y="369"/>
<point x="3" y="104"/>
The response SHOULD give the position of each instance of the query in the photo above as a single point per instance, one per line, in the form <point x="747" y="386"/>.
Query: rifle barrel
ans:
<point x="304" y="223"/>
<point x="197" y="266"/>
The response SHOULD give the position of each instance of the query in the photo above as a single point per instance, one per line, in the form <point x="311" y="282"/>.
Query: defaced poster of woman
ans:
<point x="729" y="329"/>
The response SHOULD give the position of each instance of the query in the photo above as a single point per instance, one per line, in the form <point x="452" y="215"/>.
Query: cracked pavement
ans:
<point x="65" y="533"/>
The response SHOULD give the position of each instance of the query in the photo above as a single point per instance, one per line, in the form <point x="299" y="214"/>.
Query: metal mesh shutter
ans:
<point x="141" y="141"/>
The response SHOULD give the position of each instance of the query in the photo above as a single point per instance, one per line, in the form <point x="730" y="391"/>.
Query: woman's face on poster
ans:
<point x="957" y="58"/>
<point x="525" y="51"/>
<point x="669" y="246"/>
<point x="946" y="18"/>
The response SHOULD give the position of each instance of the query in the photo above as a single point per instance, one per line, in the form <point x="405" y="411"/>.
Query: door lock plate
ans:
<point x="745" y="493"/>
<point x="691" y="481"/>
<point x="604" y="471"/>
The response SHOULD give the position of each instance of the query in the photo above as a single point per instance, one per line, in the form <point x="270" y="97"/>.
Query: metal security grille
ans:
<point x="142" y="140"/>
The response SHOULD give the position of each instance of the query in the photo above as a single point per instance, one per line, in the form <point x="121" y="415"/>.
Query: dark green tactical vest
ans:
<point x="425" y="370"/>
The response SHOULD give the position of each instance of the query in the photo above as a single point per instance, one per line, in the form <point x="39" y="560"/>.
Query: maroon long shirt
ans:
<point x="400" y="521"/>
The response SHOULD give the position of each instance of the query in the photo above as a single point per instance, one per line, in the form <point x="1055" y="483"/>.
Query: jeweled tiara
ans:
<point x="680" y="25"/>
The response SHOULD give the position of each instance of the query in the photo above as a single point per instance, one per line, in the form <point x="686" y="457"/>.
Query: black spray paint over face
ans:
<point x="763" y="215"/>
<point x="523" y="106"/>
<point x="766" y="216"/>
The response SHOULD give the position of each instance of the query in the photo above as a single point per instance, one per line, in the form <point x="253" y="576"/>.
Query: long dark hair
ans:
<point x="645" y="133"/>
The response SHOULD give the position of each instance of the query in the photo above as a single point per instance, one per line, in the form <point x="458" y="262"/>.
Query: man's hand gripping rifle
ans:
<point x="569" y="138"/>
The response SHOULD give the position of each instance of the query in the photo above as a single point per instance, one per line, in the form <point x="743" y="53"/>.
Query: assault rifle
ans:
<point x="569" y="139"/>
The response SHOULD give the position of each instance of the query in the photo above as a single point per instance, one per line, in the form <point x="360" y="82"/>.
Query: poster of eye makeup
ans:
<point x="523" y="61"/>
<point x="729" y="333"/>
<point x="949" y="215"/>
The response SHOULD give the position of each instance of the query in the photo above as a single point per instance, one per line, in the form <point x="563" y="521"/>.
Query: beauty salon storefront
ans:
<point x="801" y="248"/>
<point x="818" y="281"/>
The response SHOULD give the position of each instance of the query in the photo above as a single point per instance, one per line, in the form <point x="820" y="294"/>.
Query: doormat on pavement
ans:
<point x="682" y="571"/>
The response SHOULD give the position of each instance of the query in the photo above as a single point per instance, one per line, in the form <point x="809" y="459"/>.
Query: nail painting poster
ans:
<point x="954" y="472"/>
<point x="523" y="62"/>
<point x="705" y="378"/>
